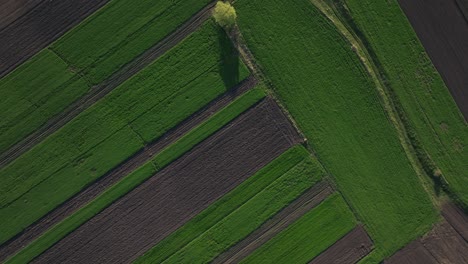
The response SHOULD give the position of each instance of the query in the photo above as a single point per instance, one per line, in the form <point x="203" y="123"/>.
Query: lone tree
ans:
<point x="225" y="15"/>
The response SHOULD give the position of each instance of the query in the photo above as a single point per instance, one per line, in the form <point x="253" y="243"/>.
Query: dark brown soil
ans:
<point x="156" y="208"/>
<point x="35" y="30"/>
<point x="446" y="245"/>
<point x="10" y="10"/>
<point x="457" y="219"/>
<point x="413" y="253"/>
<point x="96" y="188"/>
<point x="99" y="91"/>
<point x="443" y="244"/>
<point x="278" y="223"/>
<point x="348" y="250"/>
<point x="443" y="31"/>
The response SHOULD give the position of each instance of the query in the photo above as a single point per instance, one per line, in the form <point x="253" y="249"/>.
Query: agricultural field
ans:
<point x="107" y="134"/>
<point x="247" y="131"/>
<point x="155" y="212"/>
<point x="325" y="224"/>
<point x="340" y="116"/>
<point x="431" y="113"/>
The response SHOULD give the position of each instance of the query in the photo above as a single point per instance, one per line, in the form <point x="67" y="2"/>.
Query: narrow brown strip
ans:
<point x="348" y="250"/>
<point x="413" y="253"/>
<point x="92" y="191"/>
<point x="311" y="198"/>
<point x="99" y="91"/>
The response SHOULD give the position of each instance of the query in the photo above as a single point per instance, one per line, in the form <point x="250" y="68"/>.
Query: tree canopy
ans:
<point x="225" y="14"/>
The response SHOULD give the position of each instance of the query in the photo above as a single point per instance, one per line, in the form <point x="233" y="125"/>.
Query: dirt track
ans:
<point x="10" y="10"/>
<point x="35" y="30"/>
<point x="99" y="91"/>
<point x="278" y="223"/>
<point x="156" y="208"/>
<point x="348" y="250"/>
<point x="110" y="178"/>
<point x="443" y="31"/>
<point x="443" y="244"/>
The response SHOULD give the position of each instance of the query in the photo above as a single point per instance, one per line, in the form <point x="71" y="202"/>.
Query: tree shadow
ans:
<point x="229" y="65"/>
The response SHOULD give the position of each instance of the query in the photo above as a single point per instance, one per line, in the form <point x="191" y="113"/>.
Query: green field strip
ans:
<point x="309" y="235"/>
<point x="36" y="91"/>
<point x="169" y="154"/>
<point x="326" y="89"/>
<point x="436" y="125"/>
<point x="239" y="212"/>
<point x="192" y="71"/>
<point x="120" y="31"/>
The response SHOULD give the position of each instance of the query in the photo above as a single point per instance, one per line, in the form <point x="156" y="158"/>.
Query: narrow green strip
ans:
<point x="137" y="177"/>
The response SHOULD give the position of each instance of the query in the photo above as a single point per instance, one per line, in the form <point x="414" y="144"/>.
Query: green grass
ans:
<point x="425" y="101"/>
<point x="120" y="31"/>
<point x="140" y="110"/>
<point x="239" y="212"/>
<point x="326" y="90"/>
<point x="134" y="179"/>
<point x="309" y="235"/>
<point x="33" y="93"/>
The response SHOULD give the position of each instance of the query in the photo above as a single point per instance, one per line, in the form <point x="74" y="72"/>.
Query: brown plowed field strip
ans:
<point x="443" y="31"/>
<point x="99" y="91"/>
<point x="457" y="219"/>
<point x="348" y="250"/>
<point x="443" y="244"/>
<point x="35" y="30"/>
<point x="116" y="174"/>
<point x="278" y="223"/>
<point x="413" y="253"/>
<point x="10" y="10"/>
<point x="169" y="199"/>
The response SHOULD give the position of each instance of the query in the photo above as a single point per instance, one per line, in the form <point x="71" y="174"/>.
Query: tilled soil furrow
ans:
<point x="116" y="174"/>
<point x="288" y="215"/>
<point x="43" y="24"/>
<point x="98" y="92"/>
<point x="156" y="208"/>
<point x="348" y="250"/>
